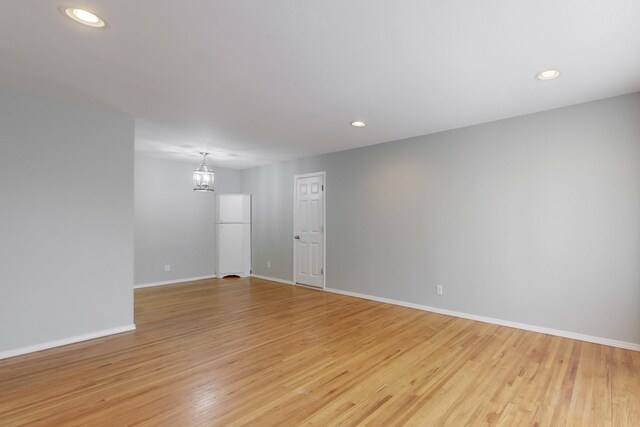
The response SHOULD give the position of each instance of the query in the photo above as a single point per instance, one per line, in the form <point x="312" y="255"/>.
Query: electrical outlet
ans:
<point x="439" y="290"/>
<point x="268" y="264"/>
<point x="167" y="267"/>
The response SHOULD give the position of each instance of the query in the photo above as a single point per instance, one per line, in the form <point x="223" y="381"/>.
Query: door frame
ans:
<point x="323" y="174"/>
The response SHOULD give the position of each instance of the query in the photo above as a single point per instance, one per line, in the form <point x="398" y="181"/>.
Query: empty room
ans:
<point x="337" y="212"/>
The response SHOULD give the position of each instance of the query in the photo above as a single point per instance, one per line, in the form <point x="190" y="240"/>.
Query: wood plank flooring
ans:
<point x="254" y="352"/>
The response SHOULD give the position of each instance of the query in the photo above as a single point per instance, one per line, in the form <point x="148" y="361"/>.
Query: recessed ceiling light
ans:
<point x="84" y="17"/>
<point x="549" y="74"/>
<point x="358" y="124"/>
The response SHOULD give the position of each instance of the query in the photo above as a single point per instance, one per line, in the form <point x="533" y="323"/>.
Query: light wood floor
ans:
<point x="248" y="351"/>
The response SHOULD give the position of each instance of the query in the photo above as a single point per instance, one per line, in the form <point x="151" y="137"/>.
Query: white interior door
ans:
<point x="309" y="230"/>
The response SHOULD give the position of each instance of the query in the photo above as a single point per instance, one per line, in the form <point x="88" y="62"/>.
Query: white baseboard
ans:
<point x="66" y="341"/>
<point x="273" y="279"/>
<point x="524" y="326"/>
<point x="173" y="282"/>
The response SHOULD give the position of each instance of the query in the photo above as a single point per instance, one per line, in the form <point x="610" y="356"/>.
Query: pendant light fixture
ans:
<point x="203" y="176"/>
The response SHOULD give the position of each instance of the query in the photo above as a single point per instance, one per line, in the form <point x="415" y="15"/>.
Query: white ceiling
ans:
<point x="255" y="81"/>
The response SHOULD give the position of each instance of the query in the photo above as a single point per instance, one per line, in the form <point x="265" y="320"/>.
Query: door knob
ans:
<point x="297" y="237"/>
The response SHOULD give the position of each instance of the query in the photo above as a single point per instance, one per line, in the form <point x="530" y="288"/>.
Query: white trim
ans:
<point x="323" y="174"/>
<point x="313" y="288"/>
<point x="173" y="282"/>
<point x="66" y="341"/>
<point x="524" y="326"/>
<point x="273" y="279"/>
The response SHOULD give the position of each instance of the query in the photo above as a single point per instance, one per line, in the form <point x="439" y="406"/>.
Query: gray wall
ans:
<point x="534" y="219"/>
<point x="174" y="224"/>
<point x="66" y="220"/>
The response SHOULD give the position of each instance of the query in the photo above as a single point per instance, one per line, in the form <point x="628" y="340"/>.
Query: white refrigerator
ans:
<point x="233" y="235"/>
